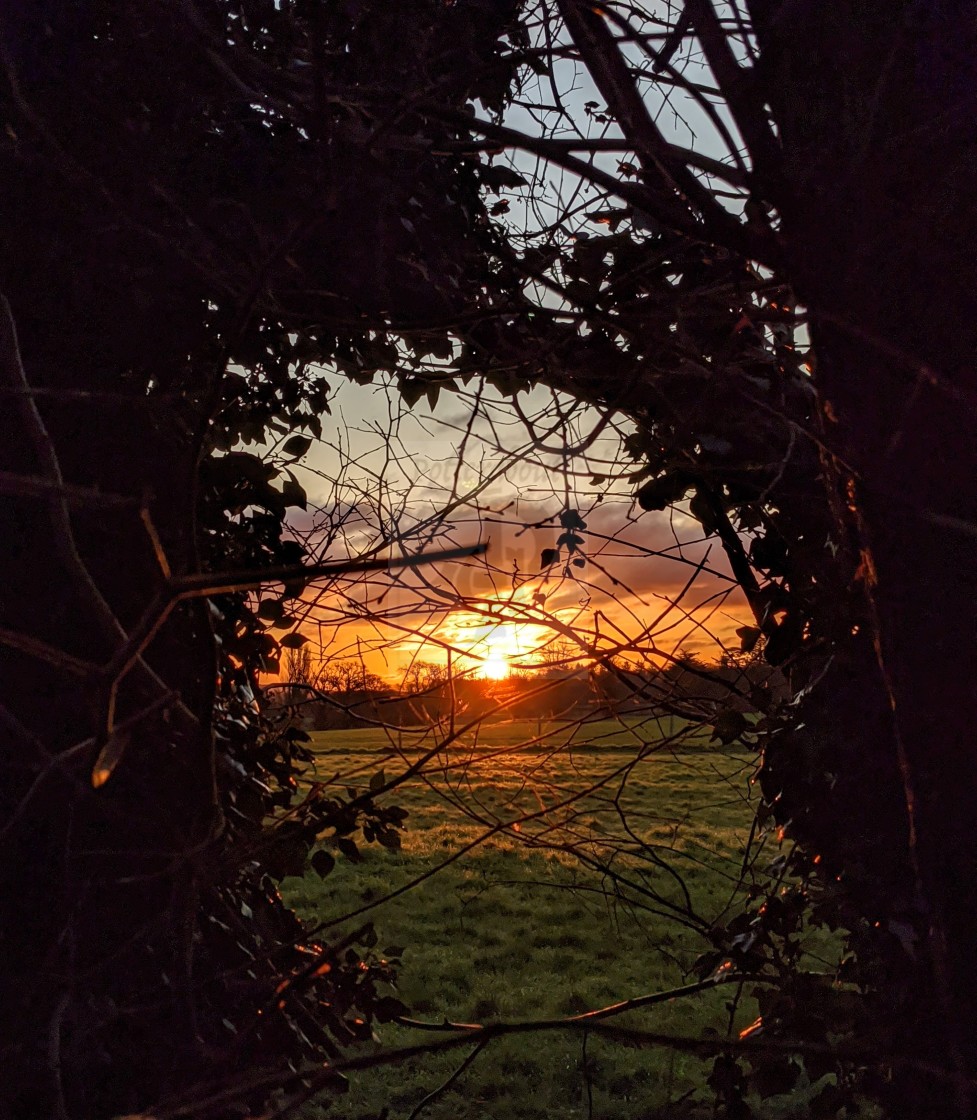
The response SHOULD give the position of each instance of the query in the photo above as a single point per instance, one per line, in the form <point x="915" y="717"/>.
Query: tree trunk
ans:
<point x="876" y="105"/>
<point x="90" y="375"/>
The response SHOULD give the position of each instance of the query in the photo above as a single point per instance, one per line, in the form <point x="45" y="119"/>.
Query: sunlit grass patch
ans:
<point x="520" y="929"/>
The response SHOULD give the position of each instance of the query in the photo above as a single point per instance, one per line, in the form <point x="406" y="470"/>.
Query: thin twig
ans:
<point x="206" y="584"/>
<point x="31" y="486"/>
<point x="446" y="1085"/>
<point x="43" y="651"/>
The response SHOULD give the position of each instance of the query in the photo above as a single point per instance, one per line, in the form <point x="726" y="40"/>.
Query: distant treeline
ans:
<point x="686" y="688"/>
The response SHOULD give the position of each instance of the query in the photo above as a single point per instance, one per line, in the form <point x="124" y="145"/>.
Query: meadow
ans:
<point x="594" y="859"/>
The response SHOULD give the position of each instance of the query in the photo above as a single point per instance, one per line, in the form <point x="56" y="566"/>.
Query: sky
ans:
<point x="426" y="478"/>
<point x="408" y="481"/>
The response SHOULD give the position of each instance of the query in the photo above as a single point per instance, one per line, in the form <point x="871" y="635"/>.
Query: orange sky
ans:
<point x="426" y="480"/>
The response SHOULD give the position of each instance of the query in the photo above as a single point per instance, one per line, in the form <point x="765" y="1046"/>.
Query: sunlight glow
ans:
<point x="495" y="667"/>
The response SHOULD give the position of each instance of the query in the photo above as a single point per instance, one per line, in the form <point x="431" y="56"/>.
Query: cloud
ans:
<point x="648" y="578"/>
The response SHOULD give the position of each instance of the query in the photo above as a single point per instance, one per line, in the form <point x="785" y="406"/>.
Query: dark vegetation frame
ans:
<point x="204" y="203"/>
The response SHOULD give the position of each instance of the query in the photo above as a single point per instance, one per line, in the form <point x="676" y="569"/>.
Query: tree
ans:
<point x="186" y="205"/>
<point x="310" y="184"/>
<point x="302" y="675"/>
<point x="424" y="676"/>
<point x="350" y="676"/>
<point x="849" y="464"/>
<point x="859" y="142"/>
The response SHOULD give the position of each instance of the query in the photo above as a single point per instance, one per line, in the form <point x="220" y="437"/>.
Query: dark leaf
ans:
<point x="748" y="636"/>
<point x="388" y="1008"/>
<point x="242" y="464"/>
<point x="611" y="217"/>
<point x="378" y="781"/>
<point x="663" y="491"/>
<point x="412" y="389"/>
<point x="549" y="556"/>
<point x="296" y="446"/>
<point x="729" y="726"/>
<point x="270" y="609"/>
<point x="295" y="640"/>
<point x="703" y="510"/>
<point x="769" y="553"/>
<point x="349" y="849"/>
<point x="497" y="177"/>
<point x="773" y="1074"/>
<point x="826" y="1104"/>
<point x="389" y="838"/>
<point x="322" y="863"/>
<point x="291" y="552"/>
<point x="294" y="494"/>
<point x="286" y="857"/>
<point x="571" y="519"/>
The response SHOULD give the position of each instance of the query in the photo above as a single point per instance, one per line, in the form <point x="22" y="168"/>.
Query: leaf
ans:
<point x="291" y="552"/>
<point x="497" y="177"/>
<point x="773" y="1075"/>
<point x="729" y="726"/>
<point x="294" y="494"/>
<point x="769" y="553"/>
<point x="286" y="857"/>
<point x="549" y="556"/>
<point x="578" y="561"/>
<point x="271" y="609"/>
<point x="349" y="849"/>
<point x="411" y="389"/>
<point x="242" y="464"/>
<point x="296" y="446"/>
<point x="748" y="636"/>
<point x="388" y="1008"/>
<point x="378" y="781"/>
<point x="109" y="757"/>
<point x="826" y="1104"/>
<point x="611" y="217"/>
<point x="571" y="519"/>
<point x="295" y="640"/>
<point x="663" y="491"/>
<point x="322" y="863"/>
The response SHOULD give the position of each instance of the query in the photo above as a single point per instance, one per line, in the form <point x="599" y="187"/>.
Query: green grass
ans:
<point x="518" y="929"/>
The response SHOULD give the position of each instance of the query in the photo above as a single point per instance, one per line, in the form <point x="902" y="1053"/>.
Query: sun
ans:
<point x="495" y="667"/>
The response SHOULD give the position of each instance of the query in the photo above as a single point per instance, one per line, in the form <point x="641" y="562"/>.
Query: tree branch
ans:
<point x="738" y="85"/>
<point x="206" y="584"/>
<point x="599" y="51"/>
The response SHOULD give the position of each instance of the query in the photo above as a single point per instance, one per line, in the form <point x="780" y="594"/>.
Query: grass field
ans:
<point x="519" y="928"/>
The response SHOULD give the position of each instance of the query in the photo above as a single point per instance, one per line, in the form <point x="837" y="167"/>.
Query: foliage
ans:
<point x="208" y="204"/>
<point x="185" y="204"/>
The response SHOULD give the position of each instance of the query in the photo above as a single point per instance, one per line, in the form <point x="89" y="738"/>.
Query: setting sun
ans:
<point x="495" y="667"/>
